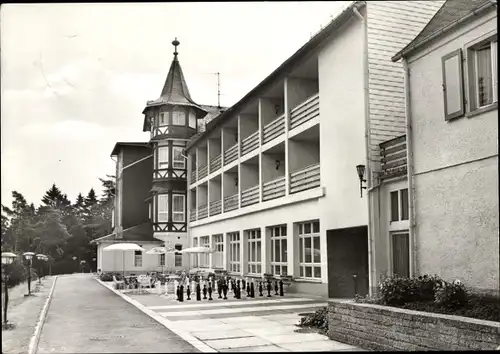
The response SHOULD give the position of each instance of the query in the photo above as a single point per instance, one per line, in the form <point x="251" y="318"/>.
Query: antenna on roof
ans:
<point x="218" y="89"/>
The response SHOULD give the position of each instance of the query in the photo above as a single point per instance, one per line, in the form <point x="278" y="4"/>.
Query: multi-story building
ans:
<point x="273" y="181"/>
<point x="452" y="110"/>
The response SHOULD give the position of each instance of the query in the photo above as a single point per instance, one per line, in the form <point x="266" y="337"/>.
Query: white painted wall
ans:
<point x="456" y="171"/>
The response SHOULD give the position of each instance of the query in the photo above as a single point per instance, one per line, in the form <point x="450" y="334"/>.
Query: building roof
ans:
<point x="138" y="233"/>
<point x="448" y="16"/>
<point x="313" y="44"/>
<point x="119" y="145"/>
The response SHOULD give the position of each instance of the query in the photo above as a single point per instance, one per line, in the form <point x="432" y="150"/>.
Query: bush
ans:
<point x="17" y="273"/>
<point x="368" y="299"/>
<point x="108" y="276"/>
<point x="451" y="295"/>
<point x="319" y="320"/>
<point x="396" y="290"/>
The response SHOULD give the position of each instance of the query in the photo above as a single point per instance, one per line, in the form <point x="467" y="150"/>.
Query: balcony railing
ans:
<point x="215" y="163"/>
<point x="231" y="154"/>
<point x="273" y="189"/>
<point x="393" y="157"/>
<point x="231" y="203"/>
<point x="250" y="143"/>
<point x="202" y="211"/>
<point x="305" y="111"/>
<point x="306" y="178"/>
<point x="215" y="207"/>
<point x="250" y="196"/>
<point x="202" y="172"/>
<point x="274" y="129"/>
<point x="193" y="176"/>
<point x="192" y="215"/>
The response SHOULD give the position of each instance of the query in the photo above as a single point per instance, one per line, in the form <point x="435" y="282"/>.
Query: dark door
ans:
<point x="347" y="256"/>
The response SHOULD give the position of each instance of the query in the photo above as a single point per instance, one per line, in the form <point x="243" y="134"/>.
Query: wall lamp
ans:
<point x="361" y="174"/>
<point x="278" y="163"/>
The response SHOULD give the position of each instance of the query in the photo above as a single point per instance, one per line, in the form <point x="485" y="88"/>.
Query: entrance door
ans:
<point x="347" y="256"/>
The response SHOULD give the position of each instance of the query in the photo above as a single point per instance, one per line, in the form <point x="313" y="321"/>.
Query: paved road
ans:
<point x="85" y="317"/>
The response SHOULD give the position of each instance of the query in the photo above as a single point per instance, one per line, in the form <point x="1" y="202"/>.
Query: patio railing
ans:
<point x="273" y="189"/>
<point x="250" y="143"/>
<point x="231" y="203"/>
<point x="202" y="211"/>
<point x="274" y="129"/>
<point x="250" y="196"/>
<point x="215" y="163"/>
<point x="306" y="178"/>
<point x="215" y="207"/>
<point x="192" y="214"/>
<point x="202" y="172"/>
<point x="305" y="111"/>
<point x="231" y="154"/>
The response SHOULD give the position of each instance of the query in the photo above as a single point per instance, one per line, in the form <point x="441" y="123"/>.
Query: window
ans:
<point x="453" y="85"/>
<point x="138" y="258"/>
<point x="162" y="259"/>
<point x="178" y="210"/>
<point x="234" y="251"/>
<point x="401" y="254"/>
<point x="163" y="119"/>
<point x="399" y="205"/>
<point x="309" y="250"/>
<point x="204" y="257"/>
<point x="162" y="157"/>
<point x="254" y="251"/>
<point x="192" y="120"/>
<point x="179" y="161"/>
<point x="195" y="257"/>
<point x="178" y="256"/>
<point x="218" y="255"/>
<point x="483" y="80"/>
<point x="149" y="210"/>
<point x="163" y="208"/>
<point x="178" y="118"/>
<point x="112" y="217"/>
<point x="279" y="250"/>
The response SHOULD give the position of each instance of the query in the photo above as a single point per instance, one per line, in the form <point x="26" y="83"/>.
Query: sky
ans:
<point x="76" y="77"/>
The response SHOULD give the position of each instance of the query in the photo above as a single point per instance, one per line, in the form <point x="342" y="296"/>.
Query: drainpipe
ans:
<point x="371" y="254"/>
<point x="409" y="159"/>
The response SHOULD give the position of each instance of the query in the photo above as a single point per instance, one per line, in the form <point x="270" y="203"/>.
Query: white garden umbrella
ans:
<point x="161" y="250"/>
<point x="200" y="249"/>
<point x="124" y="247"/>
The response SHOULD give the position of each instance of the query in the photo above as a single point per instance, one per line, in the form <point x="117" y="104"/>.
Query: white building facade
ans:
<point x="272" y="183"/>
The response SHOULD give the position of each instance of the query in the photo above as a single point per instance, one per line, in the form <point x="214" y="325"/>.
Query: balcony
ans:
<point x="305" y="111"/>
<point x="274" y="129"/>
<point x="250" y="143"/>
<point x="193" y="176"/>
<point x="215" y="207"/>
<point x="231" y="154"/>
<point x="203" y="172"/>
<point x="250" y="196"/>
<point x="273" y="189"/>
<point x="215" y="163"/>
<point x="231" y="203"/>
<point x="393" y="158"/>
<point x="306" y="178"/>
<point x="202" y="211"/>
<point x="192" y="215"/>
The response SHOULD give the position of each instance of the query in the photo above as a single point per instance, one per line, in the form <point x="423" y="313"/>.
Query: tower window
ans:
<point x="192" y="120"/>
<point x="178" y="118"/>
<point x="163" y="120"/>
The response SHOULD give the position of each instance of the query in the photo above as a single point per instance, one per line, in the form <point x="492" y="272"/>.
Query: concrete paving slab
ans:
<point x="274" y="330"/>
<point x="293" y="337"/>
<point x="237" y="343"/>
<point x="323" y="345"/>
<point x="233" y="333"/>
<point x="261" y="348"/>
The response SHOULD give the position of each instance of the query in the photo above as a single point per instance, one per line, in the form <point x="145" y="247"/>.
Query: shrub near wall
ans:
<point x="387" y="328"/>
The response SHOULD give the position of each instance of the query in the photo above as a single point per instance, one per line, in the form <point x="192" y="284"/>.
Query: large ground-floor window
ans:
<point x="279" y="250"/>
<point x="309" y="250"/>
<point x="234" y="252"/>
<point x="254" y="251"/>
<point x="204" y="257"/>
<point x="400" y="253"/>
<point x="218" y="255"/>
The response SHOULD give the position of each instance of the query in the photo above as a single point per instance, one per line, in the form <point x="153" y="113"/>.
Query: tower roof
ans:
<point x="175" y="90"/>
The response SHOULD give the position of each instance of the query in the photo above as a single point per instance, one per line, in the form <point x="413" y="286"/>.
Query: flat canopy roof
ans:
<point x="119" y="145"/>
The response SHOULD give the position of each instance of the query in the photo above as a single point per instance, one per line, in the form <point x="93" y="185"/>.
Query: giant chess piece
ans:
<point x="281" y="288"/>
<point x="181" y="293"/>
<point x="243" y="284"/>
<point x="235" y="290"/>
<point x="224" y="290"/>
<point x="275" y="287"/>
<point x="260" y="289"/>
<point x="248" y="289"/>
<point x="210" y="291"/>
<point x="269" y="288"/>
<point x="204" y="291"/>
<point x="252" y="290"/>
<point x="198" y="292"/>
<point x="188" y="292"/>
<point x="177" y="293"/>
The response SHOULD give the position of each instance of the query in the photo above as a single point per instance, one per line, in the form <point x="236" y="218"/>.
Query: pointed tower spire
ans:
<point x="175" y="43"/>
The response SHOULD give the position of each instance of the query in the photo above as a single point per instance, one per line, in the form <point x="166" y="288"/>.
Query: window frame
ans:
<point x="400" y="223"/>
<point x="280" y="238"/>
<point x="182" y="159"/>
<point x="138" y="258"/>
<point x="302" y="236"/>
<point x="177" y="255"/>
<point x="447" y="115"/>
<point x="392" y="235"/>
<point x="204" y="258"/>
<point x="192" y="119"/>
<point x="234" y="261"/>
<point x="218" y="242"/>
<point x="161" y="260"/>
<point x="174" y="212"/>
<point x="167" y="161"/>
<point x="177" y="114"/>
<point x="159" y="197"/>
<point x="165" y="116"/>
<point x="254" y="251"/>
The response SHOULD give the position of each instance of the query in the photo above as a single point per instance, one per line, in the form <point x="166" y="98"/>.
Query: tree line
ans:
<point x="59" y="228"/>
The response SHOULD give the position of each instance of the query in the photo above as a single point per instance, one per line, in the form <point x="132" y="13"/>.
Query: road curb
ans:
<point x="198" y="344"/>
<point x="38" y="329"/>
